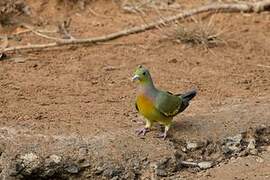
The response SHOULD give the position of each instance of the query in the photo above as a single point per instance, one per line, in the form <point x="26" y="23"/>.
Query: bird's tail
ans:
<point x="189" y="95"/>
<point x="186" y="98"/>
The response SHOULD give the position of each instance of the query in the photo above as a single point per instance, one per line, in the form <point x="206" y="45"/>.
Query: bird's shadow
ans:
<point x="184" y="126"/>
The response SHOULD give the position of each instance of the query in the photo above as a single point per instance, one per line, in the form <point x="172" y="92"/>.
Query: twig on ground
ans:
<point x="227" y="7"/>
<point x="32" y="29"/>
<point x="189" y="164"/>
<point x="63" y="29"/>
<point x="261" y="65"/>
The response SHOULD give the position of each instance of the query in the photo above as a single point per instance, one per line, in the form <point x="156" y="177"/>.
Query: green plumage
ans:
<point x="167" y="103"/>
<point x="156" y="105"/>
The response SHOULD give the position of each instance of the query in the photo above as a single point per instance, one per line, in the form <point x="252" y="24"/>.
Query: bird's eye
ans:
<point x="144" y="73"/>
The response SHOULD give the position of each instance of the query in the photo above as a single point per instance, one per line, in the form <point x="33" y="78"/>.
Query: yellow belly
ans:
<point x="148" y="110"/>
<point x="145" y="105"/>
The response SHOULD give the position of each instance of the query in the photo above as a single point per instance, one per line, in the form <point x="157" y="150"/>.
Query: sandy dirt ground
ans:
<point x="75" y="105"/>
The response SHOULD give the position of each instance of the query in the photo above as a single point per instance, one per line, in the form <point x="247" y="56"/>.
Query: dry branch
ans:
<point x="227" y="7"/>
<point x="63" y="29"/>
<point x="38" y="33"/>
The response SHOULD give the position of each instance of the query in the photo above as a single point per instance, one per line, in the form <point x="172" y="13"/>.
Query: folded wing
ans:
<point x="168" y="104"/>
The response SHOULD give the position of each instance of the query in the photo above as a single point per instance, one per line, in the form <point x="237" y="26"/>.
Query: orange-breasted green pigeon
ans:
<point x="157" y="105"/>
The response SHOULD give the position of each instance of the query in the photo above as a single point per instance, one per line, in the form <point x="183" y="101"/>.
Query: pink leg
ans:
<point x="164" y="135"/>
<point x="142" y="131"/>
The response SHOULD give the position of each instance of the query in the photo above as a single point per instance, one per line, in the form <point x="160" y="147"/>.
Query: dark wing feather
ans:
<point x="186" y="97"/>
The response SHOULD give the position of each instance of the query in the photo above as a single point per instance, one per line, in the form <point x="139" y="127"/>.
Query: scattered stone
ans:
<point x="161" y="172"/>
<point x="205" y="165"/>
<point x="251" y="144"/>
<point x="184" y="149"/>
<point x="212" y="153"/>
<point x="192" y="145"/>
<point x="259" y="160"/>
<point x="166" y="166"/>
<point x="253" y="152"/>
<point x="54" y="159"/>
<point x="232" y="145"/>
<point x="236" y="139"/>
<point x="29" y="158"/>
<point x="85" y="164"/>
<point x="31" y="166"/>
<point x="72" y="168"/>
<point x="111" y="171"/>
<point x="28" y="163"/>
<point x="83" y="152"/>
<point x="211" y="149"/>
<point x="99" y="170"/>
<point x="189" y="164"/>
<point x="251" y="147"/>
<point x="244" y="153"/>
<point x="190" y="160"/>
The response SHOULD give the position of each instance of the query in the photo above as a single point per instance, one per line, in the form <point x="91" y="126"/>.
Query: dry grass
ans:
<point x="198" y="33"/>
<point x="12" y="10"/>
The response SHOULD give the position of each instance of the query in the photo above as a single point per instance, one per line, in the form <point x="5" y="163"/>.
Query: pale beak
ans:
<point x="136" y="77"/>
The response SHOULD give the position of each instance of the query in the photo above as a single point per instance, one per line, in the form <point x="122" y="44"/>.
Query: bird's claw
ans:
<point x="142" y="131"/>
<point x="162" y="135"/>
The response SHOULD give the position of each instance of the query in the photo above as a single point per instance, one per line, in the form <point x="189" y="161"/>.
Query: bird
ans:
<point x="157" y="105"/>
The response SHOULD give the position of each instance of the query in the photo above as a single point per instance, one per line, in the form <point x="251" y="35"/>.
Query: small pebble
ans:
<point x="253" y="151"/>
<point x="260" y="160"/>
<point x="205" y="165"/>
<point x="192" y="145"/>
<point x="73" y="169"/>
<point x="54" y="158"/>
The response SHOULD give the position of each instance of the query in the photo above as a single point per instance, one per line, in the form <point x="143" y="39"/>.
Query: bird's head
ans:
<point x="142" y="75"/>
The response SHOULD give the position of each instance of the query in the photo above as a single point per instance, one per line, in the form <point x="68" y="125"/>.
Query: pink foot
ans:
<point x="142" y="131"/>
<point x="162" y="135"/>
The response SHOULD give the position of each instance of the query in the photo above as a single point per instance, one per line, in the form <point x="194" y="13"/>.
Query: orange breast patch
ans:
<point x="145" y="105"/>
